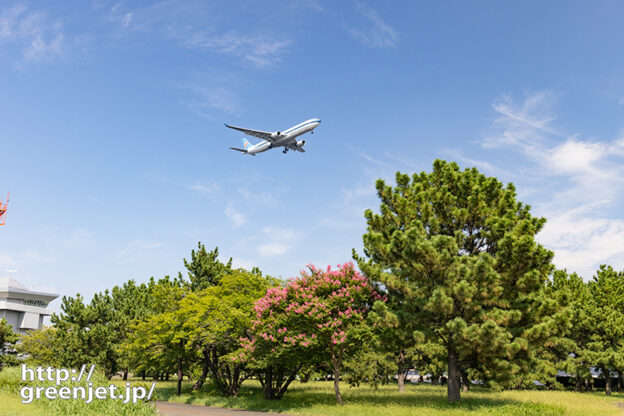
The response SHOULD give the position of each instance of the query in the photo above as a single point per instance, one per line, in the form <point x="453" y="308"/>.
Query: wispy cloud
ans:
<point x="588" y="173"/>
<point x="205" y="187"/>
<point x="238" y="219"/>
<point x="39" y="37"/>
<point x="212" y="92"/>
<point x="277" y="241"/>
<point x="375" y="33"/>
<point x="261" y="50"/>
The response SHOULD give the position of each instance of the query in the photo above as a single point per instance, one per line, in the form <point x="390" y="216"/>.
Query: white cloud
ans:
<point x="206" y="187"/>
<point x="589" y="181"/>
<point x="273" y="249"/>
<point x="126" y="19"/>
<point x="40" y="38"/>
<point x="237" y="218"/>
<point x="378" y="34"/>
<point x="260" y="50"/>
<point x="582" y="240"/>
<point x="211" y="91"/>
<point x="278" y="241"/>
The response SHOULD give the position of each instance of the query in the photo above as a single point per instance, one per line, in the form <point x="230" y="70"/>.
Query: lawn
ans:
<point x="317" y="398"/>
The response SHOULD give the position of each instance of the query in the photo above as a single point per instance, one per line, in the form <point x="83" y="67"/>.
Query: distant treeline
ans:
<point x="451" y="280"/>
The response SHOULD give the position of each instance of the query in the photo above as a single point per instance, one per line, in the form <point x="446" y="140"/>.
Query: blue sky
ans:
<point x="115" y="153"/>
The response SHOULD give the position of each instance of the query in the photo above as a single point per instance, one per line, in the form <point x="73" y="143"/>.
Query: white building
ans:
<point x="23" y="309"/>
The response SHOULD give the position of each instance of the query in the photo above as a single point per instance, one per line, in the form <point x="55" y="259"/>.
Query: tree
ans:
<point x="205" y="269"/>
<point x="458" y="250"/>
<point x="38" y="347"/>
<point x="566" y="352"/>
<point x="158" y="341"/>
<point x="7" y="344"/>
<point x="605" y="349"/>
<point x="87" y="333"/>
<point x="215" y="319"/>
<point x="131" y="303"/>
<point x="319" y="316"/>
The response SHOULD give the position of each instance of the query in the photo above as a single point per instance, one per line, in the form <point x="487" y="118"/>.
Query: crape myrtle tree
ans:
<point x="458" y="251"/>
<point x="315" y="318"/>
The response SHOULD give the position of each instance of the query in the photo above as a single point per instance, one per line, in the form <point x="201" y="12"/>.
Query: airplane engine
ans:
<point x="276" y="135"/>
<point x="301" y="143"/>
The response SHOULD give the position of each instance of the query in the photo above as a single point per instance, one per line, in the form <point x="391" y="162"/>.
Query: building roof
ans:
<point x="10" y="286"/>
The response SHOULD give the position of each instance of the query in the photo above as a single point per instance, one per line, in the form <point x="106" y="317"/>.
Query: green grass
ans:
<point x="11" y="402"/>
<point x="317" y="398"/>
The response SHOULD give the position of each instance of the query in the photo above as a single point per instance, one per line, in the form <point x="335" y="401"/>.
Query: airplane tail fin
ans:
<point x="246" y="144"/>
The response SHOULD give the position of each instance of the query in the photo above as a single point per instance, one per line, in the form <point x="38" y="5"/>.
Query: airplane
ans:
<point x="270" y="140"/>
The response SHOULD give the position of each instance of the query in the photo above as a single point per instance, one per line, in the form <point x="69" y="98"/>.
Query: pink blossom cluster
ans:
<point x="319" y="308"/>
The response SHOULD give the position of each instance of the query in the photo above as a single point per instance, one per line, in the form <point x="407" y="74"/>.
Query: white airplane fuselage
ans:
<point x="285" y="137"/>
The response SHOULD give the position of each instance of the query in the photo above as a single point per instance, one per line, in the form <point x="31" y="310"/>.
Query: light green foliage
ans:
<point x="38" y="347"/>
<point x="157" y="342"/>
<point x="214" y="321"/>
<point x="458" y="254"/>
<point x="7" y="344"/>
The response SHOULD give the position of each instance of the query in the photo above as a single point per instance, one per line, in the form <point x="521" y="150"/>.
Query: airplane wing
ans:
<point x="295" y="147"/>
<point x="265" y="135"/>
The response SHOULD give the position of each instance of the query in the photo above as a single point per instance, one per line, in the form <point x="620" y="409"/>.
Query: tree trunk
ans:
<point x="180" y="375"/>
<point x="607" y="377"/>
<point x="167" y="376"/>
<point x="453" y="393"/>
<point x="268" y="391"/>
<point x="401" y="371"/>
<point x="125" y="374"/>
<point x="465" y="381"/>
<point x="205" y="368"/>
<point x="336" y="363"/>
<point x="620" y="380"/>
<point x="143" y="375"/>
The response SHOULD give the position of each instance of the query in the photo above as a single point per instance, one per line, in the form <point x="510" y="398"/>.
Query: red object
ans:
<point x="3" y="210"/>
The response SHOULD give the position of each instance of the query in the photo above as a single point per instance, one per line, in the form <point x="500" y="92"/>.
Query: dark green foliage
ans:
<point x="205" y="269"/>
<point x="457" y="255"/>
<point x="7" y="344"/>
<point x="605" y="347"/>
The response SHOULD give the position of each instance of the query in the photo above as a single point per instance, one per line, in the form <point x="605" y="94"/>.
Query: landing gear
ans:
<point x="285" y="150"/>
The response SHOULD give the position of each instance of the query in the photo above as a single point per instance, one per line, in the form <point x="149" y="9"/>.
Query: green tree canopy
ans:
<point x="457" y="251"/>
<point x="204" y="268"/>
<point x="7" y="344"/>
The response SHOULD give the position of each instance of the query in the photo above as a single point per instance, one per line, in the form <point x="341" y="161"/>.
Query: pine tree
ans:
<point x="7" y="344"/>
<point x="458" y="252"/>
<point x="205" y="269"/>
